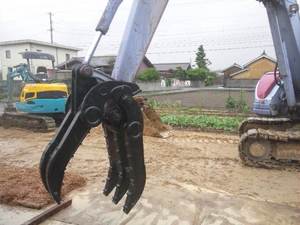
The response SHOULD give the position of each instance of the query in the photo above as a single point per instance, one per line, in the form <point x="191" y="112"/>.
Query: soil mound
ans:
<point x="23" y="187"/>
<point x="153" y="125"/>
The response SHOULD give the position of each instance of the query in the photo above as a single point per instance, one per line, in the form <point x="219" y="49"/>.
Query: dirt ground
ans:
<point x="17" y="185"/>
<point x="206" y="160"/>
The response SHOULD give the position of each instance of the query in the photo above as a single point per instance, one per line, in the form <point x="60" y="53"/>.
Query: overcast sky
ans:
<point x="230" y="30"/>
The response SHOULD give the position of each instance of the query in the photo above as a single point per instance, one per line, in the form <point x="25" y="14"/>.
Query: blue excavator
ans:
<point x="41" y="103"/>
<point x="270" y="140"/>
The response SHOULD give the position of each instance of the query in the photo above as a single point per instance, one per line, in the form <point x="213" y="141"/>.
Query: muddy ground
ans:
<point x="206" y="160"/>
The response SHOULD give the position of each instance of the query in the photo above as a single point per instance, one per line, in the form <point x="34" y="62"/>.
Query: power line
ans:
<point x="211" y="50"/>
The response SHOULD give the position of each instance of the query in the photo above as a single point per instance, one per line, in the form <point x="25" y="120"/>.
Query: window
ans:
<point x="7" y="54"/>
<point x="39" y="50"/>
<point x="52" y="94"/>
<point x="67" y="57"/>
<point x="29" y="95"/>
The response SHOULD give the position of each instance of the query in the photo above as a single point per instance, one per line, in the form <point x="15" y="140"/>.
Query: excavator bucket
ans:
<point x="97" y="99"/>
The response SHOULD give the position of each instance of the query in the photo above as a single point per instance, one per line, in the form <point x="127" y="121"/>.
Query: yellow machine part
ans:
<point x="37" y="87"/>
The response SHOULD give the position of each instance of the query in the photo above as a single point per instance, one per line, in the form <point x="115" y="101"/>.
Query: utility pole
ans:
<point x="51" y="27"/>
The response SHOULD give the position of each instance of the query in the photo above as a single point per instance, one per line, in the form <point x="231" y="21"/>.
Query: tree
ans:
<point x="201" y="74"/>
<point x="197" y="74"/>
<point x="180" y="74"/>
<point x="201" y="60"/>
<point x="150" y="74"/>
<point x="209" y="80"/>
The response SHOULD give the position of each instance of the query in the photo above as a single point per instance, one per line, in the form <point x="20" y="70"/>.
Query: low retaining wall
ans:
<point x="153" y="86"/>
<point x="241" y="83"/>
<point x="208" y="98"/>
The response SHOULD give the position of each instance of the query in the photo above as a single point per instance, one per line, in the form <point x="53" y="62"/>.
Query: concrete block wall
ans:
<point x="232" y="83"/>
<point x="208" y="98"/>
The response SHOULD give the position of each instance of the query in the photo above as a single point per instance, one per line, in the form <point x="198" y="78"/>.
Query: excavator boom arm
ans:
<point x="141" y="26"/>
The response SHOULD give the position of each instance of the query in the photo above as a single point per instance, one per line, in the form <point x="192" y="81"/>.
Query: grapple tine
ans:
<point x="134" y="150"/>
<point x="137" y="171"/>
<point x="112" y="176"/>
<point x="53" y="145"/>
<point x="122" y="164"/>
<point x="59" y="159"/>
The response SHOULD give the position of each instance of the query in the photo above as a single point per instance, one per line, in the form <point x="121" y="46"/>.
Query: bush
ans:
<point x="180" y="74"/>
<point x="230" y="103"/>
<point x="150" y="74"/>
<point x="242" y="104"/>
<point x="197" y="74"/>
<point x="210" y="78"/>
<point x="168" y="82"/>
<point x="201" y="74"/>
<point x="237" y="105"/>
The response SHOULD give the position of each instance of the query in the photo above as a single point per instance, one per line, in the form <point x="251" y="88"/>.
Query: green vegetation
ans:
<point x="180" y="74"/>
<point x="3" y="96"/>
<point x="150" y="74"/>
<point x="154" y="104"/>
<point x="197" y="74"/>
<point x="201" y="60"/>
<point x="239" y="105"/>
<point x="196" y="117"/>
<point x="201" y="73"/>
<point x="168" y="82"/>
<point x="203" y="122"/>
<point x="230" y="103"/>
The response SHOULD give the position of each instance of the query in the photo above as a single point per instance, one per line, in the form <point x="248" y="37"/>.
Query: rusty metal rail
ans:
<point x="48" y="213"/>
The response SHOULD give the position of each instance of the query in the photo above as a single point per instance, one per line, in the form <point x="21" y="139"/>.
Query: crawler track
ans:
<point x="28" y="121"/>
<point x="270" y="142"/>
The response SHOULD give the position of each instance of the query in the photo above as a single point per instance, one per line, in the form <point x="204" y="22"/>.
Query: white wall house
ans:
<point x="10" y="54"/>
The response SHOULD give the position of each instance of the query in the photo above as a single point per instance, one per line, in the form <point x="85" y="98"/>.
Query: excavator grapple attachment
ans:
<point x="98" y="99"/>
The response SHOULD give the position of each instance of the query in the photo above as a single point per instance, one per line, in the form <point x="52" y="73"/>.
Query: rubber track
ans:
<point x="28" y="121"/>
<point x="271" y="134"/>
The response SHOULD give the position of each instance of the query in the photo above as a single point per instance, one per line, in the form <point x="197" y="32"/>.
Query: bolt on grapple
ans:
<point x="98" y="99"/>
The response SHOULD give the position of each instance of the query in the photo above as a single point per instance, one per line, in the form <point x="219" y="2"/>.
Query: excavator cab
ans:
<point x="269" y="95"/>
<point x="43" y="98"/>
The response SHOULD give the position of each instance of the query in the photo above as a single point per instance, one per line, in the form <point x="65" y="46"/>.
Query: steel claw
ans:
<point x="111" y="104"/>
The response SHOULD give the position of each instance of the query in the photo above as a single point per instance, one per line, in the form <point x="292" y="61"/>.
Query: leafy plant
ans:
<point x="237" y="105"/>
<point x="209" y="80"/>
<point x="153" y="103"/>
<point x="203" y="121"/>
<point x="231" y="103"/>
<point x="197" y="74"/>
<point x="168" y="82"/>
<point x="242" y="105"/>
<point x="180" y="74"/>
<point x="150" y="74"/>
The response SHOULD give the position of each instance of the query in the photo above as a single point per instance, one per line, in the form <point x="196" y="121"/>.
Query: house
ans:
<point x="10" y="53"/>
<point x="167" y="69"/>
<point x="250" y="73"/>
<point x="105" y="63"/>
<point x="231" y="70"/>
